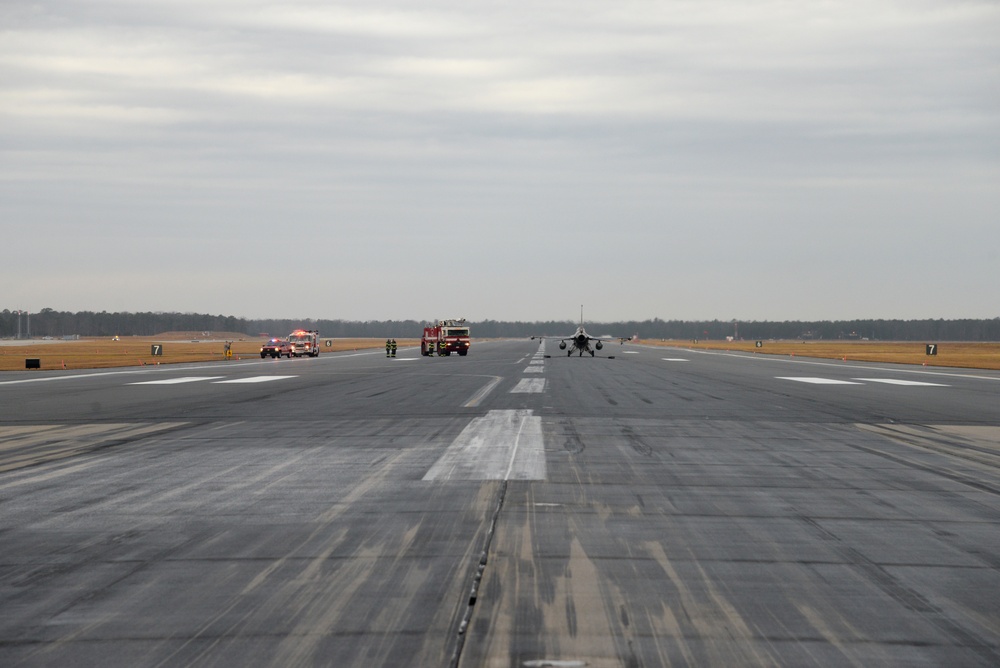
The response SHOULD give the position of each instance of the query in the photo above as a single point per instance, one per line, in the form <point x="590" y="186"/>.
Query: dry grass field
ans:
<point x="137" y="351"/>
<point x="949" y="354"/>
<point x="179" y="347"/>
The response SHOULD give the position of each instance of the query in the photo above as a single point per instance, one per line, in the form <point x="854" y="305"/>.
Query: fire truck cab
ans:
<point x="446" y="337"/>
<point x="304" y="342"/>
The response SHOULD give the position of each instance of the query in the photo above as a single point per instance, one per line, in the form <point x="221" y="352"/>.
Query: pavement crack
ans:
<point x="477" y="578"/>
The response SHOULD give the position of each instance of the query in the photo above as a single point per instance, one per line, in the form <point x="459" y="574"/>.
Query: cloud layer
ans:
<point x="502" y="160"/>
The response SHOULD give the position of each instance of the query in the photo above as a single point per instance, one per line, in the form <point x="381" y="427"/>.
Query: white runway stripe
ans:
<point x="817" y="381"/>
<point x="502" y="445"/>
<point x="177" y="381"/>
<point x="529" y="386"/>
<point x="254" y="379"/>
<point x="893" y="381"/>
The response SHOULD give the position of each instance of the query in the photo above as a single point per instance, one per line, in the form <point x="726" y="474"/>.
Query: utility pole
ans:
<point x="18" y="324"/>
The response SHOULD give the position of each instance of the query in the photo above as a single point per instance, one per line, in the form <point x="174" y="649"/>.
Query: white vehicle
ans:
<point x="304" y="342"/>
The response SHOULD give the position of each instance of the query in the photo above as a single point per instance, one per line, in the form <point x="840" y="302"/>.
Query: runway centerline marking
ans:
<point x="674" y="359"/>
<point x="501" y="445"/>
<point x="529" y="386"/>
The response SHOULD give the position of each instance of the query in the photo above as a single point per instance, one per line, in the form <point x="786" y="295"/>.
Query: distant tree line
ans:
<point x="49" y="322"/>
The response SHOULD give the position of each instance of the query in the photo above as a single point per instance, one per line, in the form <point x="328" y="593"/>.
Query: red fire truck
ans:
<point x="446" y="337"/>
<point x="304" y="342"/>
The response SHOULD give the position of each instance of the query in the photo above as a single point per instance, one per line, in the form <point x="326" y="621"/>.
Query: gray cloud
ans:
<point x="675" y="160"/>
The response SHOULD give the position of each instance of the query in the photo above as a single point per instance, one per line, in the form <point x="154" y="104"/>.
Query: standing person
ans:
<point x="388" y="347"/>
<point x="393" y="344"/>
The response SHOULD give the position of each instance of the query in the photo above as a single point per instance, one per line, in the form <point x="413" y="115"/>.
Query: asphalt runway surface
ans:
<point x="662" y="508"/>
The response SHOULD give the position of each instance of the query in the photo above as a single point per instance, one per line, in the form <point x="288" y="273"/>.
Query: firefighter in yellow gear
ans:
<point x="392" y="347"/>
<point x="388" y="347"/>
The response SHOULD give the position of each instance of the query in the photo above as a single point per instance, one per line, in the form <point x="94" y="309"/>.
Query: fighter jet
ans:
<point x="579" y="341"/>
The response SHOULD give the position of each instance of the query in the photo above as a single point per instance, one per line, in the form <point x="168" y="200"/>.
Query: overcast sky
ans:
<point x="502" y="160"/>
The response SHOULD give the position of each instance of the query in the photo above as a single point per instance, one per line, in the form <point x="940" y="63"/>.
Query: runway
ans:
<point x="509" y="508"/>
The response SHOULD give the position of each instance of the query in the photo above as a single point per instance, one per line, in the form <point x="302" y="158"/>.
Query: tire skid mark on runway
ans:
<point x="26" y="445"/>
<point x="976" y="444"/>
<point x="318" y="613"/>
<point x="909" y="597"/>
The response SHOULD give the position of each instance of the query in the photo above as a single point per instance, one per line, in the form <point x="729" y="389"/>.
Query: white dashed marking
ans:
<point x="502" y="445"/>
<point x="894" y="381"/>
<point x="177" y="381"/>
<point x="817" y="381"/>
<point x="529" y="386"/>
<point x="254" y="379"/>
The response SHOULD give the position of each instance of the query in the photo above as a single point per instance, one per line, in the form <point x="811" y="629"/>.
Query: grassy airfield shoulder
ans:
<point x="180" y="348"/>
<point x="102" y="353"/>
<point x="949" y="354"/>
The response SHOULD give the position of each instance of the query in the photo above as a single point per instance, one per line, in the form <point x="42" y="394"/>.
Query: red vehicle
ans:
<point x="304" y="342"/>
<point x="275" y="348"/>
<point x="446" y="337"/>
